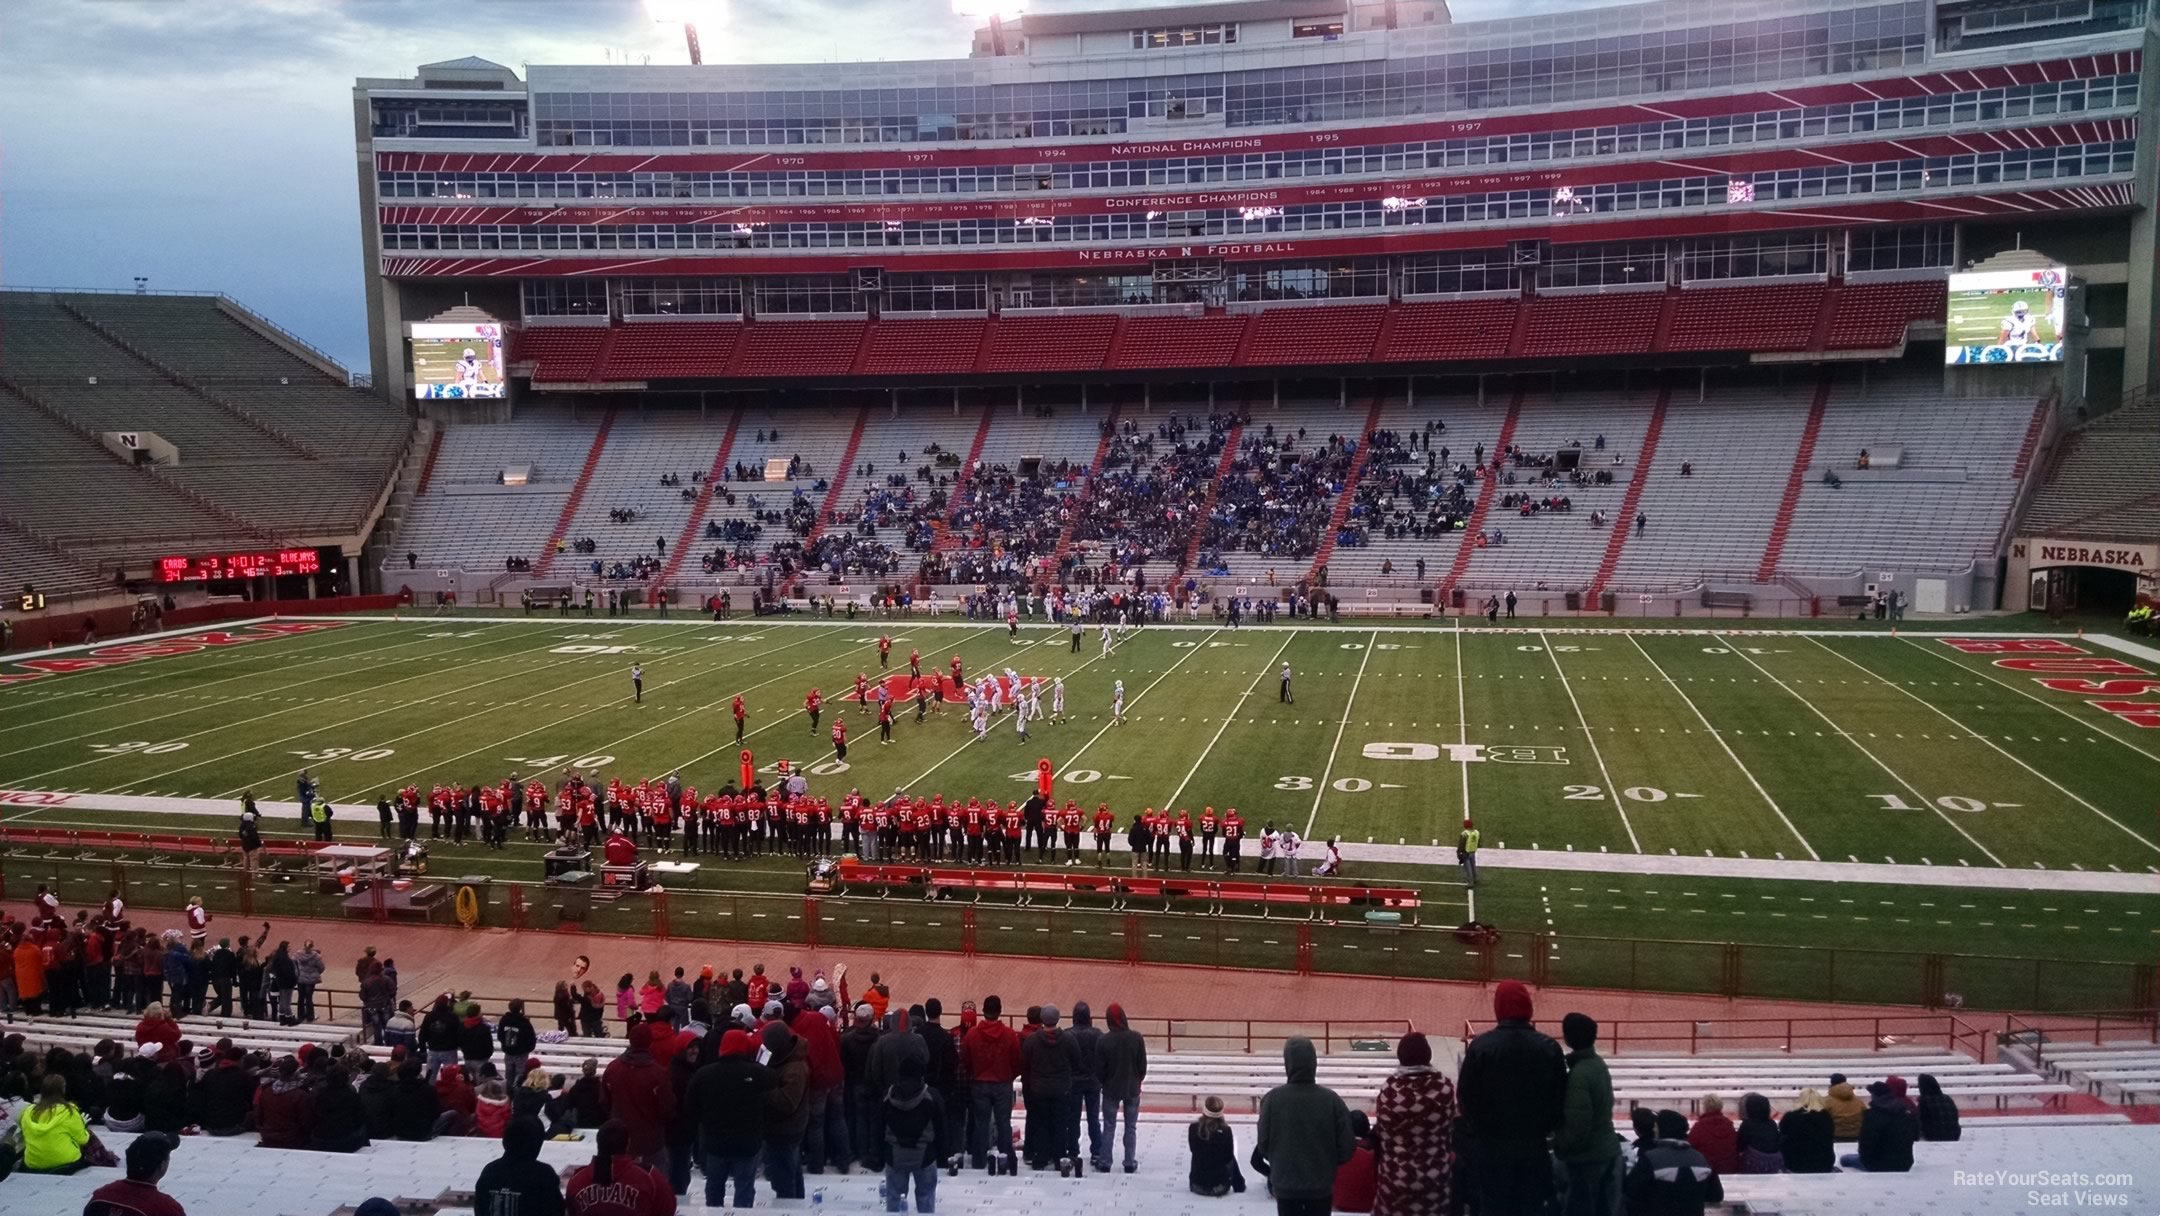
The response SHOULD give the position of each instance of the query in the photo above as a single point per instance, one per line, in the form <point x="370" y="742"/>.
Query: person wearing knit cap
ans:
<point x="857" y="1101"/>
<point x="1586" y="1145"/>
<point x="1512" y="1089"/>
<point x="1414" y="1123"/>
<point x="1086" y="1109"/>
<point x="726" y="1104"/>
<point x="641" y="1097"/>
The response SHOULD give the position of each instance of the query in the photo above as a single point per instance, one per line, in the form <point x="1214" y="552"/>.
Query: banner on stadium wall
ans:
<point x="2042" y="552"/>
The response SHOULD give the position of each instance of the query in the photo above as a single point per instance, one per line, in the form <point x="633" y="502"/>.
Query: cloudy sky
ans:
<point x="208" y="144"/>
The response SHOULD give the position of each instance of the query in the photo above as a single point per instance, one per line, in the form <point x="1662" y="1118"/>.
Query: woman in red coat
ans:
<point x="1715" y="1137"/>
<point x="1414" y="1123"/>
<point x="157" y="1026"/>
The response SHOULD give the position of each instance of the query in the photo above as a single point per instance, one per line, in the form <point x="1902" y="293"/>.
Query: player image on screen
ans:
<point x="457" y="361"/>
<point x="2005" y="317"/>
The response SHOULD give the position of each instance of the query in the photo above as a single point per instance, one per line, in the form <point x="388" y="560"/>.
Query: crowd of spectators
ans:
<point x="1148" y="502"/>
<point x="1278" y="496"/>
<point x="1403" y="496"/>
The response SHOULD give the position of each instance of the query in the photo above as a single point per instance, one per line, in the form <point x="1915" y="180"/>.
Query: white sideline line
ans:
<point x="1612" y="791"/>
<point x="1847" y="735"/>
<point x="1729" y="753"/>
<point x="1372" y="640"/>
<point x="2127" y="830"/>
<point x="1462" y="715"/>
<point x="1228" y="718"/>
<point x="2029" y="695"/>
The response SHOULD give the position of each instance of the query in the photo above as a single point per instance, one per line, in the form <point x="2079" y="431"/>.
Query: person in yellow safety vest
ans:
<point x="319" y="815"/>
<point x="1466" y="852"/>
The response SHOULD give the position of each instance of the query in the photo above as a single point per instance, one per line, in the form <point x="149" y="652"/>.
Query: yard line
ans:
<point x="1462" y="715"/>
<point x="599" y="749"/>
<point x="1847" y="735"/>
<point x="2127" y="830"/>
<point x="1265" y="668"/>
<point x="280" y="687"/>
<point x="238" y="656"/>
<point x="1101" y="730"/>
<point x="1729" y="753"/>
<point x="309" y="706"/>
<point x="2030" y="695"/>
<point x="1320" y="791"/>
<point x="1596" y="754"/>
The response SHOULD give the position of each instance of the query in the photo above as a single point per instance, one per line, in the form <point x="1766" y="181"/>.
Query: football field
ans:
<point x="1649" y="783"/>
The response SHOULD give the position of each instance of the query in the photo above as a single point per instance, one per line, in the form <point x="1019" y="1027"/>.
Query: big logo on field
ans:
<point x="120" y="653"/>
<point x="2060" y="666"/>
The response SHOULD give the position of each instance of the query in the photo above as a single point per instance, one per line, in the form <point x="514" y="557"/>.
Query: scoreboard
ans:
<point x="184" y="569"/>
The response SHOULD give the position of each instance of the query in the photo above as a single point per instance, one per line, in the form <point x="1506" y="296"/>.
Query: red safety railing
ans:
<point x="1825" y="1032"/>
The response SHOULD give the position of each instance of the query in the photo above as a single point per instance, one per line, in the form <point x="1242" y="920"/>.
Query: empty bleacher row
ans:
<point x="1642" y="321"/>
<point x="2105" y="480"/>
<point x="272" y="445"/>
<point x="1708" y="489"/>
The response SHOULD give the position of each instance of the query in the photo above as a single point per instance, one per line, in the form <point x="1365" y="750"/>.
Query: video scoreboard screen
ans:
<point x="2006" y="316"/>
<point x="457" y="361"/>
<point x="273" y="562"/>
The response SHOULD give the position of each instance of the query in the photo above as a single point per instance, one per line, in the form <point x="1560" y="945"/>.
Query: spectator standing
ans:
<point x="1121" y="1068"/>
<point x="307" y="976"/>
<point x="825" y="1137"/>
<point x="1669" y="1177"/>
<point x="1588" y="1149"/>
<point x="1086" y="1110"/>
<point x="1050" y="1059"/>
<point x="914" y="1121"/>
<point x="614" y="1184"/>
<point x="1214" y="1171"/>
<point x="1304" y="1136"/>
<point x="1513" y="1086"/>
<point x="517" y="1183"/>
<point x="638" y="1097"/>
<point x="1414" y="1121"/>
<point x="1466" y="847"/>
<point x="1715" y="1137"/>
<point x="1762" y="1149"/>
<point x="726" y="1103"/>
<point x="859" y="1107"/>
<point x="992" y="1053"/>
<point x="1887" y="1133"/>
<point x="1938" y="1111"/>
<point x="786" y="1115"/>
<point x="515" y="1031"/>
<point x="943" y="1072"/>
<point x="1809" y="1135"/>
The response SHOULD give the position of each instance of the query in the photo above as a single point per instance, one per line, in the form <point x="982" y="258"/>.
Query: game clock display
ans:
<point x="238" y="565"/>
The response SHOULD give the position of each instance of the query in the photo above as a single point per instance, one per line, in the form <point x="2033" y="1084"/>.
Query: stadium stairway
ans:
<point x="689" y="533"/>
<point x="427" y="467"/>
<point x="577" y="495"/>
<point x="1621" y="525"/>
<point x="942" y="527"/>
<point x="1095" y="468"/>
<point x="1207" y="503"/>
<point x="1781" y="525"/>
<point x="1348" y="498"/>
<point x="837" y="489"/>
<point x="1488" y="490"/>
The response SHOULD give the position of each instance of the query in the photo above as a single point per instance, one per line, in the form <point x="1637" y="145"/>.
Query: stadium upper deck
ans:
<point x="1236" y="154"/>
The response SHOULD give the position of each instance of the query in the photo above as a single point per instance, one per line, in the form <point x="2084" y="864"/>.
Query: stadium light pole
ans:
<point x="688" y="14"/>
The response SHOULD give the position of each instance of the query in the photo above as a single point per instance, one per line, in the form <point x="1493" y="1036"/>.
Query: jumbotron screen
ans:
<point x="456" y="361"/>
<point x="2006" y="316"/>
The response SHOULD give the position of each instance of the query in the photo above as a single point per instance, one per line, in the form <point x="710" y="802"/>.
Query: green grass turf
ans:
<point x="1752" y="742"/>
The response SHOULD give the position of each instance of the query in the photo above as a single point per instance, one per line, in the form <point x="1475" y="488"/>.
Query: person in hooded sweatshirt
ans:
<point x="1809" y="1136"/>
<point x="858" y="1100"/>
<point x="1762" y="1147"/>
<point x="1304" y="1135"/>
<point x="1845" y="1107"/>
<point x="1587" y="1148"/>
<point x="378" y="1101"/>
<point x="284" y="1107"/>
<point x="640" y="1097"/>
<point x="1513" y="1089"/>
<point x="726" y="1104"/>
<point x="518" y="1183"/>
<point x="416" y="1109"/>
<point x="341" y="1124"/>
<point x="992" y="1052"/>
<point x="1086" y="1109"/>
<point x="682" y="1130"/>
<point x="225" y="1095"/>
<point x="1938" y="1111"/>
<point x="913" y="1117"/>
<point x="943" y="1071"/>
<point x="785" y="1115"/>
<point x="1887" y="1133"/>
<point x="1050" y="1060"/>
<point x="613" y="1183"/>
<point x="825" y="1138"/>
<point x="896" y="1045"/>
<point x="1121" y="1068"/>
<point x="1669" y="1177"/>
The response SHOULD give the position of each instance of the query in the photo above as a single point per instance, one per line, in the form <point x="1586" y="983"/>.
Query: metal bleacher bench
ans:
<point x="1314" y="898"/>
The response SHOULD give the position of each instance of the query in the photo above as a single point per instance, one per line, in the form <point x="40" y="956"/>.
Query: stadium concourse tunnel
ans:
<point x="80" y="872"/>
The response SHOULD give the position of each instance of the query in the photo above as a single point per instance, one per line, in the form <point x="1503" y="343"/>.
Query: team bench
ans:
<point x="1218" y="895"/>
<point x="88" y="845"/>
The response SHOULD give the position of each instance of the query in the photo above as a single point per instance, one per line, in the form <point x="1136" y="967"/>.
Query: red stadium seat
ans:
<point x="1149" y="342"/>
<point x="1314" y="334"/>
<point x="1762" y="317"/>
<point x="1037" y="343"/>
<point x="561" y="354"/>
<point x="797" y="348"/>
<point x="1430" y="331"/>
<point x="1873" y="316"/>
<point x="921" y="346"/>
<point x="660" y="350"/>
<point x="1612" y="323"/>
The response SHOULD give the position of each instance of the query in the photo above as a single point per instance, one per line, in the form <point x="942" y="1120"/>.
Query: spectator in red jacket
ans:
<point x="285" y="1107"/>
<point x="1715" y="1137"/>
<point x="822" y="1131"/>
<point x="640" y="1097"/>
<point x="158" y="1026"/>
<point x="1358" y="1178"/>
<point x="993" y="1063"/>
<point x="613" y="1184"/>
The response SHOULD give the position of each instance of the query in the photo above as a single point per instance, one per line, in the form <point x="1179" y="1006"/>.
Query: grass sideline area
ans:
<point x="1632" y="742"/>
